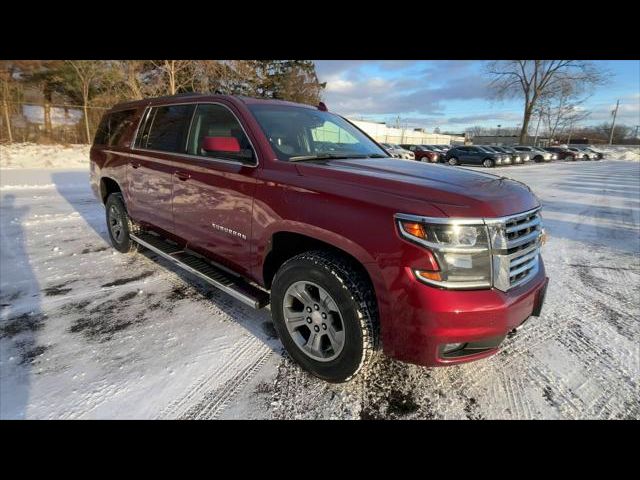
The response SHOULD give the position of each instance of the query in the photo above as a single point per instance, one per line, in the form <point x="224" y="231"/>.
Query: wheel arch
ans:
<point x="108" y="186"/>
<point x="286" y="243"/>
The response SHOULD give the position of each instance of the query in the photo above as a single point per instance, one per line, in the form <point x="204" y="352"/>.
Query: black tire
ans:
<point x="354" y="296"/>
<point x="487" y="162"/>
<point x="538" y="159"/>
<point x="122" y="242"/>
<point x="453" y="161"/>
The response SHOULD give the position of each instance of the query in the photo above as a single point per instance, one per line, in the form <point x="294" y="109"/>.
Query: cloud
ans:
<point x="397" y="87"/>
<point x="430" y="93"/>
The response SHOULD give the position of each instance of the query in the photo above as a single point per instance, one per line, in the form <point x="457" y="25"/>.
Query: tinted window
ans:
<point x="212" y="120"/>
<point x="113" y="127"/>
<point x="169" y="127"/>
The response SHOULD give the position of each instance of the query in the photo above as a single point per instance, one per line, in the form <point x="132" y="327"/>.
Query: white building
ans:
<point x="383" y="133"/>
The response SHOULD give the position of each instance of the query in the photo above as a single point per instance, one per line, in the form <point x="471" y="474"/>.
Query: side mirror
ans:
<point x="221" y="144"/>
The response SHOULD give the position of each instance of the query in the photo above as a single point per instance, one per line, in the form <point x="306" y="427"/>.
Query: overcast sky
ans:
<point x="453" y="94"/>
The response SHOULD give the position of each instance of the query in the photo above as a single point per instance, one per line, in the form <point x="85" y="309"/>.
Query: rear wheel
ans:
<point x="487" y="162"/>
<point x="585" y="158"/>
<point x="452" y="161"/>
<point x="119" y="224"/>
<point x="325" y="313"/>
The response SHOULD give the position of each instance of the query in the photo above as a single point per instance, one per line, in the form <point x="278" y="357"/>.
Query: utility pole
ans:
<point x="613" y="124"/>
<point x="535" y="139"/>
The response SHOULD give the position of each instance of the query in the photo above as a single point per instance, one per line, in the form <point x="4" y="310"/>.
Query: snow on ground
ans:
<point x="31" y="155"/>
<point x="86" y="332"/>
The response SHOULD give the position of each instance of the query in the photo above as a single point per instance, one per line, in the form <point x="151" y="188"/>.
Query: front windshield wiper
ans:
<point x="341" y="156"/>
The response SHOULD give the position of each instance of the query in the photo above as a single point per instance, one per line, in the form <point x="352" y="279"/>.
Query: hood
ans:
<point x="458" y="192"/>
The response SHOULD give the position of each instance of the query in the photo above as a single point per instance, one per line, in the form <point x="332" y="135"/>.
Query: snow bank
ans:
<point x="31" y="155"/>
<point x="630" y="153"/>
<point x="620" y="152"/>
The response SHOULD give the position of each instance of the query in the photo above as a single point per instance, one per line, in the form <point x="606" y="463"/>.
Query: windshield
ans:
<point x="299" y="133"/>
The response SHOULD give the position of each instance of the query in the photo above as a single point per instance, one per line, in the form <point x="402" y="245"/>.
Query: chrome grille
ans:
<point x="515" y="244"/>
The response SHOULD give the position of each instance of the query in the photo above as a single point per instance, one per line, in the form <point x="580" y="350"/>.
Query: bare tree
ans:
<point x="561" y="108"/>
<point x="178" y="74"/>
<point x="7" y="69"/>
<point x="87" y="71"/>
<point x="533" y="80"/>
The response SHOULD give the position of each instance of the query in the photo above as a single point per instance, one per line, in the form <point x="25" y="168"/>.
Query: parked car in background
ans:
<point x="517" y="158"/>
<point x="422" y="153"/>
<point x="563" y="153"/>
<point x="506" y="157"/>
<point x="473" y="155"/>
<point x="537" y="155"/>
<point x="403" y="152"/>
<point x="392" y="151"/>
<point x="543" y="151"/>
<point x="581" y="153"/>
<point x="433" y="265"/>
<point x="599" y="155"/>
<point x="437" y="148"/>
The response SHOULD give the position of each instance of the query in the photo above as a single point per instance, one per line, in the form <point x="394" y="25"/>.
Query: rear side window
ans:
<point x="167" y="128"/>
<point x="113" y="127"/>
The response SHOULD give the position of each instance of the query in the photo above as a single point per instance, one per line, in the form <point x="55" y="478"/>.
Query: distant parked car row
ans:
<point x="577" y="152"/>
<point x="490" y="155"/>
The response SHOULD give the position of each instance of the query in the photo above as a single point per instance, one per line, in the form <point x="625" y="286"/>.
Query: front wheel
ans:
<point x="119" y="224"/>
<point x="325" y="313"/>
<point x="488" y="163"/>
<point x="453" y="161"/>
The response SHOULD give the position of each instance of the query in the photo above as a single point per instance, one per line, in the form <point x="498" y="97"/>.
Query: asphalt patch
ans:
<point x="22" y="324"/>
<point x="124" y="281"/>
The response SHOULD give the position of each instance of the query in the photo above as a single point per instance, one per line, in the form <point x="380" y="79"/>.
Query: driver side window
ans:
<point x="216" y="133"/>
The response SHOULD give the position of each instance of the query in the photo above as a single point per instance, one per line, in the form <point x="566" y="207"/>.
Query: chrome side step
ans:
<point x="231" y="284"/>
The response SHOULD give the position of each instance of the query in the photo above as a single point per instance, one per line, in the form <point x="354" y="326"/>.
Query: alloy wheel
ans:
<point x="116" y="224"/>
<point x="313" y="321"/>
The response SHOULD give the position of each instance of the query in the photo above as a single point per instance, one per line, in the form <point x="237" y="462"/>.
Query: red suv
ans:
<point x="293" y="206"/>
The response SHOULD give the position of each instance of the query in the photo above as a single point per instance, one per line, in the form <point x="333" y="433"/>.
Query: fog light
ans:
<point x="452" y="347"/>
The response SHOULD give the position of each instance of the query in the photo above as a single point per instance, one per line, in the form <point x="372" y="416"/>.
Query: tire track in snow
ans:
<point x="210" y="394"/>
<point x="216" y="401"/>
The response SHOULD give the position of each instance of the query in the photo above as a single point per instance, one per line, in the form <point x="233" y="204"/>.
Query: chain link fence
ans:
<point x="48" y="122"/>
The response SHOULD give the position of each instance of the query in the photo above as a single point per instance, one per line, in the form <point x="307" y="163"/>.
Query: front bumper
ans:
<point x="480" y="319"/>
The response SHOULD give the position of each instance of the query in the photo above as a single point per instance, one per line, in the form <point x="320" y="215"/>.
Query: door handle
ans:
<point x="182" y="176"/>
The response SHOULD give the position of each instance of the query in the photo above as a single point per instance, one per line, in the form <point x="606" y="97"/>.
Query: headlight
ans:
<point x="460" y="249"/>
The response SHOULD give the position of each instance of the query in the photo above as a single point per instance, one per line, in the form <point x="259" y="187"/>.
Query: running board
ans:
<point x="231" y="284"/>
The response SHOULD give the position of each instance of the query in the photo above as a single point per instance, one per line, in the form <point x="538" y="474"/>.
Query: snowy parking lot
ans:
<point x="87" y="332"/>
